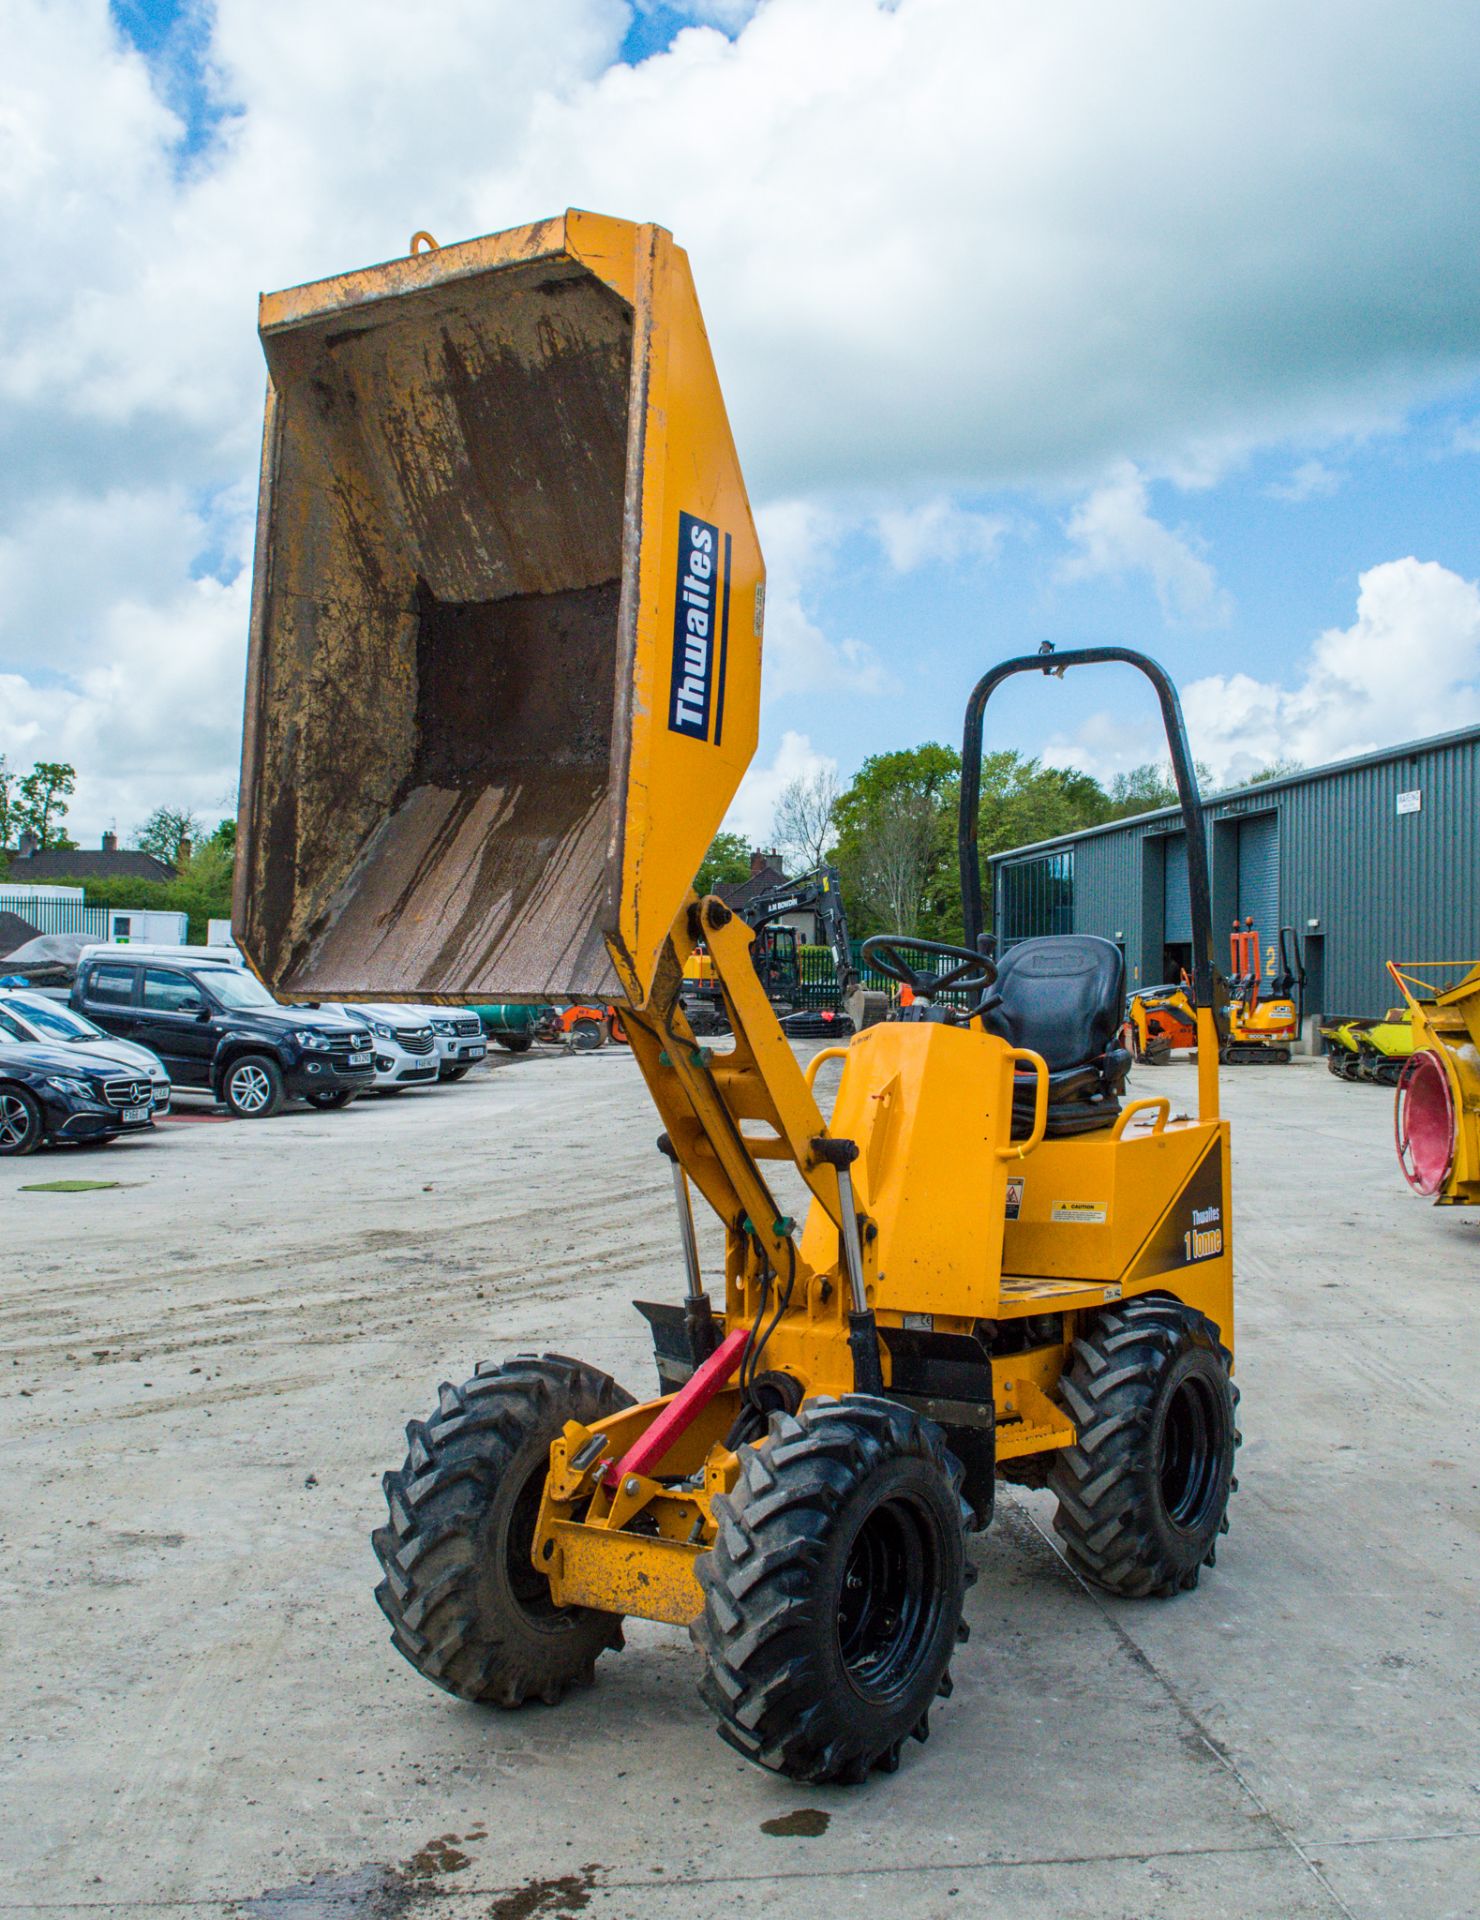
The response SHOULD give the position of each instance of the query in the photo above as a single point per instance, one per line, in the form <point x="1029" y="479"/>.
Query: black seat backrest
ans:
<point x="1060" y="995"/>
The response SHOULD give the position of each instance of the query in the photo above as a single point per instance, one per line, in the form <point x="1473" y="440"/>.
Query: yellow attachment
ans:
<point x="504" y="669"/>
<point x="1445" y="1013"/>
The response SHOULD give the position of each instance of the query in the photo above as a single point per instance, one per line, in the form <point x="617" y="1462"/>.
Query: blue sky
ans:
<point x="1151" y="324"/>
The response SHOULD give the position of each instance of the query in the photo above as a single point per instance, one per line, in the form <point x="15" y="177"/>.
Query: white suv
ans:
<point x="405" y="1046"/>
<point x="461" y="1041"/>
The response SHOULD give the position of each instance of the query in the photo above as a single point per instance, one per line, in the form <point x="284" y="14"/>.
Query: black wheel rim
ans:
<point x="889" y="1601"/>
<point x="1191" y="1454"/>
<point x="529" y="1587"/>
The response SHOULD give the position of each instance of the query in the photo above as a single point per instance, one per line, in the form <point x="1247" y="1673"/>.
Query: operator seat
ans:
<point x="1061" y="996"/>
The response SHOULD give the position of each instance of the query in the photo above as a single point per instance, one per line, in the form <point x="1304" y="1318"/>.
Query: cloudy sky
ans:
<point x="1148" y="323"/>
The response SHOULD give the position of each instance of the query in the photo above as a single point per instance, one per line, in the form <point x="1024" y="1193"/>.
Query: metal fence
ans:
<point x="56" y="916"/>
<point x="819" y="979"/>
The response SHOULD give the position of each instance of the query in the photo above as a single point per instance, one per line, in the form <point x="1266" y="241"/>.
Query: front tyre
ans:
<point x="466" y="1605"/>
<point x="22" y="1124"/>
<point x="450" y="1074"/>
<point x="833" y="1592"/>
<point x="1143" y="1492"/>
<point x="253" y="1087"/>
<point x="329" y="1101"/>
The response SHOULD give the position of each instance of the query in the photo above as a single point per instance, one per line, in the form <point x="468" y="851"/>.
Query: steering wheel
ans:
<point x="972" y="972"/>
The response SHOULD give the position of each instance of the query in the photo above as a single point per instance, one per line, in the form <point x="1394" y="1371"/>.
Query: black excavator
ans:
<point x="776" y="955"/>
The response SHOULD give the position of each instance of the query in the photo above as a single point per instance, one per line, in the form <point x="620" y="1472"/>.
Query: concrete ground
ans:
<point x="206" y="1368"/>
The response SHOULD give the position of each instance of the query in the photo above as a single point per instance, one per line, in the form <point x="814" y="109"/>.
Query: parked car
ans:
<point x="217" y="1028"/>
<point x="458" y="1032"/>
<point x="405" y="1046"/>
<point x="37" y="1019"/>
<point x="66" y="1094"/>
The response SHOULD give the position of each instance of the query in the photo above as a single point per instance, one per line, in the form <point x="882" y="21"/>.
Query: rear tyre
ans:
<point x="22" y="1124"/>
<point x="587" y="1035"/>
<point x="466" y="1605"/>
<point x="833" y="1593"/>
<point x="1143" y="1493"/>
<point x="253" y="1088"/>
<point x="329" y="1102"/>
<point x="515" y="1042"/>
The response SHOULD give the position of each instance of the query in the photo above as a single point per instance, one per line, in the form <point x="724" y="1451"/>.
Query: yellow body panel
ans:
<point x="929" y="1107"/>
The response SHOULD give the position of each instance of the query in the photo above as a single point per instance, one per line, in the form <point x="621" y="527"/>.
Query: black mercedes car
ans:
<point x="67" y="1094"/>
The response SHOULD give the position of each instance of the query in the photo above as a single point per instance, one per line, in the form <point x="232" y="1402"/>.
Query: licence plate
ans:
<point x="474" y="1053"/>
<point x="134" y="1116"/>
<point x="359" y="1059"/>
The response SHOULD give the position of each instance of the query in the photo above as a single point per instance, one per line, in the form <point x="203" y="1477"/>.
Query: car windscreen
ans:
<point x="228" y="988"/>
<point x="56" y="1021"/>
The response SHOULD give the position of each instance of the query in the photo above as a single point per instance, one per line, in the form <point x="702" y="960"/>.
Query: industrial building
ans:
<point x="1370" y="859"/>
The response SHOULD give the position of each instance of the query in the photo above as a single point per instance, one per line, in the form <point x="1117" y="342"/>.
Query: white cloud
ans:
<point x="1115" y="534"/>
<point x="1408" y="666"/>
<point x="798" y="537"/>
<point x="754" y="805"/>
<point x="1311" y="480"/>
<point x="943" y="248"/>
<point x="937" y="531"/>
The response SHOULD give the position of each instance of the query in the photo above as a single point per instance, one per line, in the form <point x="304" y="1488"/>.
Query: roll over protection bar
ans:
<point x="1049" y="662"/>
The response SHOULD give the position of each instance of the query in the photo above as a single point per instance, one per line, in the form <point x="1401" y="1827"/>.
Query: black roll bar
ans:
<point x="1055" y="664"/>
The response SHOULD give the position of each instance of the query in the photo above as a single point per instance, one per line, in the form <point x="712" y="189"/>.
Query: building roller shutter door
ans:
<point x="1259" y="876"/>
<point x="1176" y="902"/>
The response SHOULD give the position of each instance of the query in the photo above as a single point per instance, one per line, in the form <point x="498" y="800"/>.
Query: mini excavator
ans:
<point x="504" y="680"/>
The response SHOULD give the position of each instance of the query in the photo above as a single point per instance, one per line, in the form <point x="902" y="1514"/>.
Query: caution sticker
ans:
<point x="1015" y="1196"/>
<point x="1080" y="1213"/>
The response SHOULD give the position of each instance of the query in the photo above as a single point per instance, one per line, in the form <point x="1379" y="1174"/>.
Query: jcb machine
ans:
<point x="776" y="957"/>
<point x="504" y="681"/>
<point x="1261" y="1025"/>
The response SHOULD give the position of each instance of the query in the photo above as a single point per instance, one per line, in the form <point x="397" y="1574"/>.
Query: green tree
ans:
<point x="165" y="831"/>
<point x="8" y="798"/>
<point x="1150" y="786"/>
<point x="224" y="835"/>
<point x="1276" y="770"/>
<point x="895" y="843"/>
<point x="41" y="806"/>
<point x="727" y="862"/>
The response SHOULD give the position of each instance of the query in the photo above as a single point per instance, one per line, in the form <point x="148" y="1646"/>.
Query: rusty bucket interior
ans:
<point x="434" y="697"/>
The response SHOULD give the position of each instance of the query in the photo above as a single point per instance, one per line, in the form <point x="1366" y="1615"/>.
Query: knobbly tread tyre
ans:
<point x="446" y="1550"/>
<point x="769" y="1635"/>
<point x="1112" y="1516"/>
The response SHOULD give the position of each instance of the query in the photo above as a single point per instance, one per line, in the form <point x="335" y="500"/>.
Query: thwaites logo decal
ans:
<point x="701" y="631"/>
<point x="1194" y="1226"/>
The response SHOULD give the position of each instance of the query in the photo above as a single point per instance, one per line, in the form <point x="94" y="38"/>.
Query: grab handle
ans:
<point x="1164" y="1113"/>
<point x="1020" y="1149"/>
<point x="809" y="1072"/>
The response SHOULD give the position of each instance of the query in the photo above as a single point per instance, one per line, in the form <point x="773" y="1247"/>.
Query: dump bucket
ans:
<point x="504" y="669"/>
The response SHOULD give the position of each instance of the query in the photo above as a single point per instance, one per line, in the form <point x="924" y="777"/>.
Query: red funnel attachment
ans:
<point x="1424" y="1124"/>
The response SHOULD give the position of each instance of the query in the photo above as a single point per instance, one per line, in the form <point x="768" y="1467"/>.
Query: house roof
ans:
<point x="739" y="893"/>
<point x="77" y="863"/>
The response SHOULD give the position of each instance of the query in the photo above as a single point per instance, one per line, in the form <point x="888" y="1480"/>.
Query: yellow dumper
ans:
<point x="503" y="684"/>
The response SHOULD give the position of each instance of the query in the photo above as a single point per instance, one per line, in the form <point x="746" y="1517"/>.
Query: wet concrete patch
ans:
<point x="805" y="1824"/>
<point x="546" y="1899"/>
<point x="368" y="1893"/>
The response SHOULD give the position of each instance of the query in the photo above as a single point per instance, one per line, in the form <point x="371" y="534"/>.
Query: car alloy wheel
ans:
<point x="19" y="1124"/>
<point x="250" y="1088"/>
